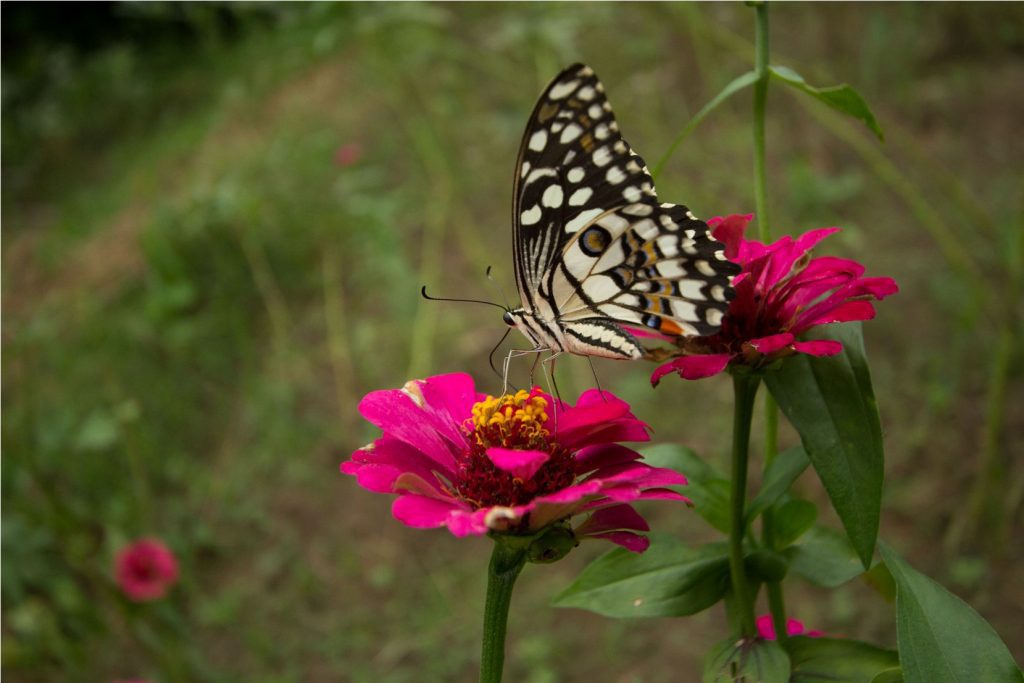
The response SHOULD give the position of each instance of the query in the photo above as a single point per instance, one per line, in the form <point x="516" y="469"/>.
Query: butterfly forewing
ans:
<point x="594" y="249"/>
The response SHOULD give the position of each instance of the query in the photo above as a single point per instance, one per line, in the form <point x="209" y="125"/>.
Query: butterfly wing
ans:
<point x="594" y="249"/>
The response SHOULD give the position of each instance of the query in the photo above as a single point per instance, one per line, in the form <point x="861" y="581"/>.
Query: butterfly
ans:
<point x="598" y="259"/>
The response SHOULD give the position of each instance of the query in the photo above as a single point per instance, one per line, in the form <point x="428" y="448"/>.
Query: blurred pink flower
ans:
<point x="146" y="569"/>
<point x="793" y="627"/>
<point x="348" y="154"/>
<point x="781" y="293"/>
<point x="474" y="463"/>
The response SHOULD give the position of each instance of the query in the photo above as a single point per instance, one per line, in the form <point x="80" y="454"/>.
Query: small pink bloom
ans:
<point x="348" y="155"/>
<point x="781" y="293"/>
<point x="146" y="569"/>
<point x="475" y="464"/>
<point x="766" y="628"/>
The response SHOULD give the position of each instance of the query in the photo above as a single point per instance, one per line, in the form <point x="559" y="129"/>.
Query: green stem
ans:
<point x="745" y="389"/>
<point x="507" y="561"/>
<point x="771" y="411"/>
<point x="760" y="103"/>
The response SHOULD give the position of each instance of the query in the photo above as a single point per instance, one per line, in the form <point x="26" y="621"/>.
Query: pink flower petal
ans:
<point x="421" y="512"/>
<point x="627" y="539"/>
<point x="612" y="518"/>
<point x="769" y="345"/>
<point x="819" y="347"/>
<point x="377" y="466"/>
<point x="603" y="455"/>
<point x="400" y="417"/>
<point x="729" y="230"/>
<point x="693" y="367"/>
<point x="521" y="464"/>
<point x="843" y="313"/>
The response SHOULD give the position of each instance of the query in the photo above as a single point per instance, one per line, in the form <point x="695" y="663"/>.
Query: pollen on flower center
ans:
<point x="517" y="422"/>
<point x="511" y="421"/>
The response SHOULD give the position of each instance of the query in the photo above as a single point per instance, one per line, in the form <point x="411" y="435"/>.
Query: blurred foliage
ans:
<point x="197" y="292"/>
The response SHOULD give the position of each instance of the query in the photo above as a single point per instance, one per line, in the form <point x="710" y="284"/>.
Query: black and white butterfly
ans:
<point x="596" y="253"/>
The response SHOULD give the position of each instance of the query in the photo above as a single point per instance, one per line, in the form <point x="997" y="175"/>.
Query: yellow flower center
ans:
<point x="511" y="421"/>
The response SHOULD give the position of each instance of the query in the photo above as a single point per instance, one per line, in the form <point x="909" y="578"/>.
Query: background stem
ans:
<point x="745" y="389"/>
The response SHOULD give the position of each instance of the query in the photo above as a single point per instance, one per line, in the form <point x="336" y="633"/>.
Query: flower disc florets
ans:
<point x="514" y="422"/>
<point x="477" y="464"/>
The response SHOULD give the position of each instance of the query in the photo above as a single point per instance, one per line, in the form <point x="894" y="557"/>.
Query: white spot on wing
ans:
<point x="560" y="90"/>
<point x="684" y="310"/>
<point x="526" y="169"/>
<point x="615" y="223"/>
<point x="595" y="112"/>
<point x="580" y="196"/>
<point x="714" y="317"/>
<point x="586" y="93"/>
<point x="639" y="210"/>
<point x="718" y="293"/>
<point x="602" y="156"/>
<point x="530" y="216"/>
<point x="552" y="197"/>
<point x="584" y="218"/>
<point x="575" y="175"/>
<point x="691" y="289"/>
<point x="538" y="140"/>
<point x="705" y="268"/>
<point x="616" y="176"/>
<point x="571" y="132"/>
<point x="631" y="194"/>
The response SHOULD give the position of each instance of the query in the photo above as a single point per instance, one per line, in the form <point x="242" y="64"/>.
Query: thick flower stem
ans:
<point x="771" y="411"/>
<point x="745" y="389"/>
<point x="507" y="561"/>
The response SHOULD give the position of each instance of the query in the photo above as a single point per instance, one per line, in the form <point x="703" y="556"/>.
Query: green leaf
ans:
<point x="707" y="488"/>
<point x="831" y="404"/>
<point x="784" y="470"/>
<point x="766" y="565"/>
<point x="734" y="86"/>
<point x="840" y="97"/>
<point x="792" y="520"/>
<point x="894" y="675"/>
<point x="941" y="638"/>
<point x="746" y="661"/>
<point x="831" y="660"/>
<point x="824" y="557"/>
<point x="668" y="580"/>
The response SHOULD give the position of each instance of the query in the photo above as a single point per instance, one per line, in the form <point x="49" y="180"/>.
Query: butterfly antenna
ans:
<point x="497" y="287"/>
<point x="423" y="292"/>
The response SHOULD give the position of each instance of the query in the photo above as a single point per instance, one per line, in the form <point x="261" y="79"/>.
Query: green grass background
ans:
<point x="196" y="296"/>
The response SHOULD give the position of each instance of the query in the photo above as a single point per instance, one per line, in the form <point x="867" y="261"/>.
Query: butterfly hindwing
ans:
<point x="649" y="265"/>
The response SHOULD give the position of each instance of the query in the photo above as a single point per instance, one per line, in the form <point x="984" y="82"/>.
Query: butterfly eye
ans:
<point x="509" y="320"/>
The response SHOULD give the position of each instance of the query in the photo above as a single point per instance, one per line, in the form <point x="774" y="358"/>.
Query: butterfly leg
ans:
<point x="549" y="364"/>
<point x="597" y="382"/>
<point x="514" y="353"/>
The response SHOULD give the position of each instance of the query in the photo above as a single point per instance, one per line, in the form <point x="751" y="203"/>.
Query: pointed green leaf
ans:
<point x="746" y="661"/>
<point x="840" y="97"/>
<point x="784" y="470"/>
<point x="941" y="638"/>
<point x="668" y="580"/>
<point x="824" y="557"/>
<point x="831" y="404"/>
<point x="707" y="488"/>
<point x="833" y="660"/>
<point x="734" y="86"/>
<point x="893" y="675"/>
<point x="792" y="520"/>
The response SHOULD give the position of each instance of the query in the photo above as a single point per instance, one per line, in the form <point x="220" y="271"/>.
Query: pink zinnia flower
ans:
<point x="766" y="628"/>
<point x="781" y="293"/>
<point x="146" y="569"/>
<point x="348" y="155"/>
<point x="475" y="463"/>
